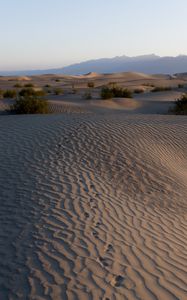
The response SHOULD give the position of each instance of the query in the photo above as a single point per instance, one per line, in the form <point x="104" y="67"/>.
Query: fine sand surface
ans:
<point x="93" y="206"/>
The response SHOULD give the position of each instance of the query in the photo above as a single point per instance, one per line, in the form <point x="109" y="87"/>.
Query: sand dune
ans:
<point x="93" y="206"/>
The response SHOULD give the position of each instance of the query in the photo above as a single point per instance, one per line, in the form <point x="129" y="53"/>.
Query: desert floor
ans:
<point x="94" y="196"/>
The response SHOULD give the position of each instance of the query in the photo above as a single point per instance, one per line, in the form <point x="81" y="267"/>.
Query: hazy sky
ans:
<point x="54" y="33"/>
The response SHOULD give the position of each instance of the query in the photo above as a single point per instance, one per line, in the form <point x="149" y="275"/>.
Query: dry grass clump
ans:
<point x="139" y="91"/>
<point x="87" y="96"/>
<point x="180" y="107"/>
<point x="9" y="94"/>
<point x="91" y="84"/>
<point x="31" y="92"/>
<point x="58" y="91"/>
<point x="115" y="92"/>
<point x="161" y="89"/>
<point x="30" y="105"/>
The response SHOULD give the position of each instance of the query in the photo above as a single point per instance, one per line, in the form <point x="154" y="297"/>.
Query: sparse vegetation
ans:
<point x="18" y="85"/>
<point x="106" y="93"/>
<point x="57" y="80"/>
<point x="31" y="92"/>
<point x="180" y="86"/>
<point x="91" y="84"/>
<point x="47" y="86"/>
<point x="139" y="91"/>
<point x="30" y="105"/>
<point x="10" y="94"/>
<point x="161" y="89"/>
<point x="87" y="96"/>
<point x="58" y="91"/>
<point x="112" y="83"/>
<point x="29" y="85"/>
<point x="1" y="93"/>
<point x="74" y="90"/>
<point x="180" y="107"/>
<point x="115" y="92"/>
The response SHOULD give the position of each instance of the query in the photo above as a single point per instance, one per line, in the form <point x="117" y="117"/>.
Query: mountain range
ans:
<point x="150" y="64"/>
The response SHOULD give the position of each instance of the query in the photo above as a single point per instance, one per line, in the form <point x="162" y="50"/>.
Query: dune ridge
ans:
<point x="93" y="207"/>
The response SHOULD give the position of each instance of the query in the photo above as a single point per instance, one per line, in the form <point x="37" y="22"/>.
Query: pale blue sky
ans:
<point x="54" y="33"/>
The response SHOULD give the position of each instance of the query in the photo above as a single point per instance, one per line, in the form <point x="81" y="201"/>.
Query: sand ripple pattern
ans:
<point x="93" y="207"/>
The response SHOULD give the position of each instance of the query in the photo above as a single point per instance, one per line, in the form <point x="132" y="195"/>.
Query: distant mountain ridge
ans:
<point x="149" y="64"/>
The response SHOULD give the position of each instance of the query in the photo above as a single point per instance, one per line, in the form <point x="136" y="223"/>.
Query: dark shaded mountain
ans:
<point x="150" y="64"/>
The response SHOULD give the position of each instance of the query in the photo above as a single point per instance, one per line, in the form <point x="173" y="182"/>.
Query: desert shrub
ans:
<point x="58" y="91"/>
<point x="91" y="84"/>
<point x="40" y="93"/>
<point x="161" y="89"/>
<point x="47" y="86"/>
<point x="180" y="86"/>
<point x="180" y="107"/>
<point x="106" y="93"/>
<point x="31" y="92"/>
<point x="87" y="96"/>
<point x="29" y="85"/>
<point x="9" y="94"/>
<point x="122" y="93"/>
<point x="27" y="92"/>
<point x="148" y="84"/>
<point x="115" y="92"/>
<point x="57" y="80"/>
<point x="112" y="83"/>
<point x="18" y="85"/>
<point x="138" y="91"/>
<point x="1" y="93"/>
<point x="30" y="105"/>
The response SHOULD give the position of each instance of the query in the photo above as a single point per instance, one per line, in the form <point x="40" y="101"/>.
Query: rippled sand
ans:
<point x="93" y="206"/>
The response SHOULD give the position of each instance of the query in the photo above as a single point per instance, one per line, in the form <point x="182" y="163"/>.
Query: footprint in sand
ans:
<point x="105" y="261"/>
<point x="86" y="215"/>
<point x="109" y="248"/>
<point x="98" y="224"/>
<point x="119" y="280"/>
<point x="95" y="234"/>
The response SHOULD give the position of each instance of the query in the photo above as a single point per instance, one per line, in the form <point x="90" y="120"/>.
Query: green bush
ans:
<point x="91" y="84"/>
<point x="9" y="94"/>
<point x="29" y="85"/>
<point x="40" y="93"/>
<point x="27" y="92"/>
<point x="30" y="105"/>
<point x="115" y="92"/>
<point x="161" y="89"/>
<point x="106" y="93"/>
<point x="180" y="107"/>
<point x="121" y="93"/>
<point x="18" y="85"/>
<point x="32" y="92"/>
